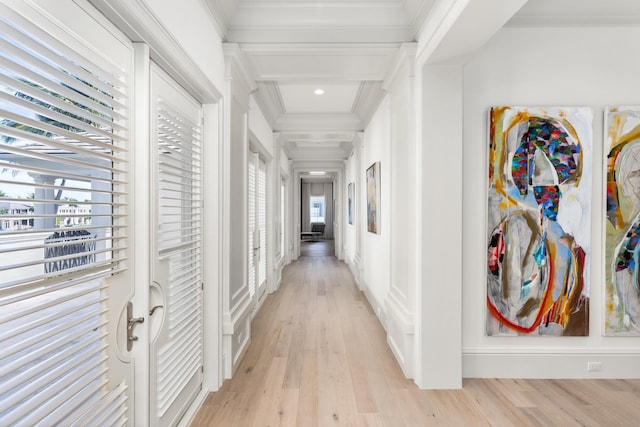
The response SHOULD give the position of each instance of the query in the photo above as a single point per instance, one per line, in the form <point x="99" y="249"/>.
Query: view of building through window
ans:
<point x="317" y="209"/>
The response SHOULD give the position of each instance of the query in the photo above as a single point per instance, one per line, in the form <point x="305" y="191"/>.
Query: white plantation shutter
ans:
<point x="252" y="225"/>
<point x="63" y="141"/>
<point x="262" y="223"/>
<point x="282" y="220"/>
<point x="179" y="355"/>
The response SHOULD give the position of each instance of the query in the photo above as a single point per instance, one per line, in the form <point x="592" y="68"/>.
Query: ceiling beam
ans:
<point x="469" y="28"/>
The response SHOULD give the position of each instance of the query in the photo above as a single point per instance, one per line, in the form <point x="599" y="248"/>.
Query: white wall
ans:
<point x="260" y="128"/>
<point x="400" y="301"/>
<point x="207" y="56"/>
<point x="285" y="175"/>
<point x="593" y="67"/>
<point x="439" y="324"/>
<point x="376" y="251"/>
<point x="352" y="169"/>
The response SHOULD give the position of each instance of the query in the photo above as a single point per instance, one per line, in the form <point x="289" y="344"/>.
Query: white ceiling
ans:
<point x="336" y="97"/>
<point x="344" y="47"/>
<point x="347" y="47"/>
<point x="577" y="13"/>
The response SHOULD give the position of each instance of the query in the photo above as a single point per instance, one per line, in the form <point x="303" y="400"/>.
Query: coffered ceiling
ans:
<point x="291" y="48"/>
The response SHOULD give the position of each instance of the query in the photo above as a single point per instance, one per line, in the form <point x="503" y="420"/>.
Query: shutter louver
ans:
<point x="252" y="227"/>
<point x="63" y="147"/>
<point x="262" y="224"/>
<point x="179" y="243"/>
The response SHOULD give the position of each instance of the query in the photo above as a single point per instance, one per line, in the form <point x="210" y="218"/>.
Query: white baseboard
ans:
<point x="191" y="413"/>
<point x="400" y="333"/>
<point x="236" y="333"/>
<point x="377" y="306"/>
<point x="547" y="363"/>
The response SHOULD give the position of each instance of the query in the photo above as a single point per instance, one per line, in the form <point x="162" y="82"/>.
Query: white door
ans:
<point x="65" y="276"/>
<point x="176" y="293"/>
<point x="257" y="224"/>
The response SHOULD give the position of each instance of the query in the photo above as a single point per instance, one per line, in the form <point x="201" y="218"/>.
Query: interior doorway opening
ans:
<point x="317" y="213"/>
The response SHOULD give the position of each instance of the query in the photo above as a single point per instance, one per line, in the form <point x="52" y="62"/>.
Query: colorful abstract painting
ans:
<point x="539" y="212"/>
<point x="373" y="198"/>
<point x="622" y="146"/>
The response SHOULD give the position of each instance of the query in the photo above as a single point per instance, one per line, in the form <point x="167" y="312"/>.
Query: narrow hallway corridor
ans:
<point x="319" y="357"/>
<point x="318" y="248"/>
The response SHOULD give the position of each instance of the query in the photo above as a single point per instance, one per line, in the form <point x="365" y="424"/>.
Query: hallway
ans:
<point x="318" y="248"/>
<point x="319" y="357"/>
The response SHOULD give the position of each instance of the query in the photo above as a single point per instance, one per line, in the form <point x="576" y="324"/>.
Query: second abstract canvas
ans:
<point x="622" y="248"/>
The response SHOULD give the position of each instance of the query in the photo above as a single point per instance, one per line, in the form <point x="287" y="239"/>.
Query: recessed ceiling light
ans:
<point x="317" y="173"/>
<point x="318" y="91"/>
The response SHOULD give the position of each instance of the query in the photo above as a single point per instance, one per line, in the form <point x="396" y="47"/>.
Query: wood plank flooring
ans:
<point x="319" y="357"/>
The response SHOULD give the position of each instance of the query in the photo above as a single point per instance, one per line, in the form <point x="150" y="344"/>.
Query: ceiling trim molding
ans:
<point x="302" y="166"/>
<point x="420" y="16"/>
<point x="442" y="17"/>
<point x="219" y="16"/>
<point x="318" y="122"/>
<point x="319" y="48"/>
<point x="406" y="55"/>
<point x="369" y="98"/>
<point x="236" y="60"/>
<point x="477" y="23"/>
<point x="529" y="21"/>
<point x="343" y="61"/>
<point x="140" y="24"/>
<point x="270" y="101"/>
<point x="319" y="136"/>
<point x="321" y="35"/>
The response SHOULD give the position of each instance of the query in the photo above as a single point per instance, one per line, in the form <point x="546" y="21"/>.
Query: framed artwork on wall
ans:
<point x="350" y="202"/>
<point x="373" y="198"/>
<point x="622" y="221"/>
<point x="539" y="221"/>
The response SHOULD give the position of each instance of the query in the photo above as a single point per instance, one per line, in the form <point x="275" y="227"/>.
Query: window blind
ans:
<point x="63" y="140"/>
<point x="262" y="223"/>
<point x="282" y="220"/>
<point x="253" y="244"/>
<point x="179" y="176"/>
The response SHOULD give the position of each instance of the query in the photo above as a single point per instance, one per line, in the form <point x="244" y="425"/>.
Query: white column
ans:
<point x="44" y="208"/>
<point x="440" y="299"/>
<point x="360" y="208"/>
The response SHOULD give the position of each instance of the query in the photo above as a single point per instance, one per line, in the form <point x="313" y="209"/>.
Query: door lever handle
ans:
<point x="153" y="310"/>
<point x="131" y="322"/>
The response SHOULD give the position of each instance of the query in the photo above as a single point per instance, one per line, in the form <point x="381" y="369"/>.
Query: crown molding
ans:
<point x="368" y="100"/>
<point x="371" y="34"/>
<point x="269" y="100"/>
<point x="313" y="22"/>
<point x="237" y="67"/>
<point x="317" y="157"/>
<point x="344" y="61"/>
<point x="297" y="47"/>
<point x="318" y="122"/>
<point x="437" y="24"/>
<point x="475" y="25"/>
<point x="138" y="22"/>
<point x="219" y="15"/>
<point x="529" y="21"/>
<point x="406" y="55"/>
<point x="418" y="10"/>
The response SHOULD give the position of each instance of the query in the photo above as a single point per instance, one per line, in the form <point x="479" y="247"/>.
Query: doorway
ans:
<point x="257" y="224"/>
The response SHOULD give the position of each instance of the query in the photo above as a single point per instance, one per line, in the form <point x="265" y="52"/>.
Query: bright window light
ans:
<point x="316" y="212"/>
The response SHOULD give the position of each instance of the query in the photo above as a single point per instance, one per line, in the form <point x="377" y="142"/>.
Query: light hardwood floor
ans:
<point x="319" y="357"/>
